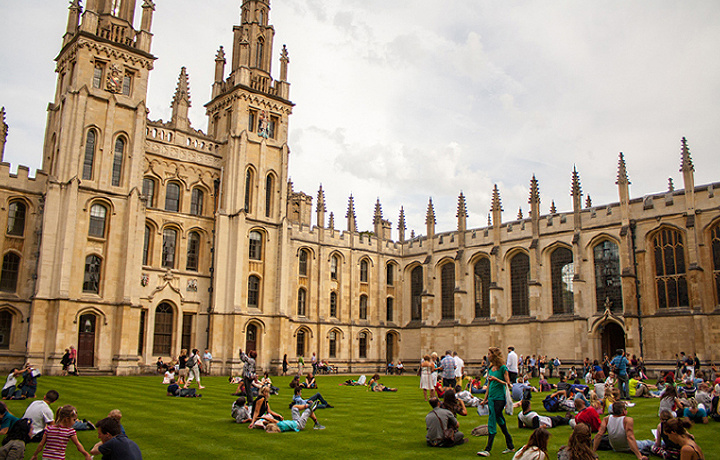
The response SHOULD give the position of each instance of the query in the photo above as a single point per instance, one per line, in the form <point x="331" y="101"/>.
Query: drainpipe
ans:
<point x="216" y="201"/>
<point x="633" y="226"/>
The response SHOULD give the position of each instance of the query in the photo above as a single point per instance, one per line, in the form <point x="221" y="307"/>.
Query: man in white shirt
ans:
<point x="41" y="415"/>
<point x="459" y="367"/>
<point x="512" y="364"/>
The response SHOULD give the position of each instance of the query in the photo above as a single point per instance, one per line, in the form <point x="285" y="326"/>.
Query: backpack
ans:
<point x="551" y="404"/>
<point x="20" y="431"/>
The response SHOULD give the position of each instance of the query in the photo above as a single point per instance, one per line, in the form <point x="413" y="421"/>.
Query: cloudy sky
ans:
<point x="406" y="100"/>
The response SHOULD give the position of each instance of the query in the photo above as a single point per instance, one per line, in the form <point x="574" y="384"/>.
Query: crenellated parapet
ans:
<point x="21" y="181"/>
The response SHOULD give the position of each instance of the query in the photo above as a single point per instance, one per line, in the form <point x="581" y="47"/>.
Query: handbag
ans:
<point x="508" y="401"/>
<point x="448" y="433"/>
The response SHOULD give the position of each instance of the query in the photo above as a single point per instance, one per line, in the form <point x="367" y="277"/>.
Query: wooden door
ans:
<point x="86" y="341"/>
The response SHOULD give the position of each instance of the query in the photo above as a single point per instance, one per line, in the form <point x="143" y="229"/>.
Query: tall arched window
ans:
<point x="334" y="263"/>
<point x="562" y="272"/>
<point x="362" y="345"/>
<point x="90" y="141"/>
<point x="259" y="54"/>
<point x="390" y="314"/>
<point x="301" y="302"/>
<point x="608" y="288"/>
<point x="193" y="251"/>
<point x="715" y="235"/>
<point x="162" y="343"/>
<point x="269" y="186"/>
<point x="390" y="274"/>
<point x="172" y="197"/>
<point x="300" y="343"/>
<point x="149" y="191"/>
<point x="482" y="288"/>
<point x="98" y="214"/>
<point x="255" y="246"/>
<point x="118" y="161"/>
<point x="91" y="281"/>
<point x="363" y="307"/>
<point x="333" y="305"/>
<point x="447" y="288"/>
<point x="169" y="247"/>
<point x="249" y="176"/>
<point x="519" y="288"/>
<point x="10" y="272"/>
<point x="416" y="290"/>
<point x="5" y="329"/>
<point x="16" y="218"/>
<point x="253" y="298"/>
<point x="303" y="263"/>
<point x="670" y="277"/>
<point x="147" y="245"/>
<point x="364" y="271"/>
<point x="196" y="202"/>
<point x="332" y="345"/>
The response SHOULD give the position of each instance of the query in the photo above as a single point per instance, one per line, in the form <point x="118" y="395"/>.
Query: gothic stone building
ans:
<point x="139" y="238"/>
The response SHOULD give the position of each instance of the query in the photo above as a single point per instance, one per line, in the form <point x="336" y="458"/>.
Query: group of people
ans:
<point x="27" y="386"/>
<point x="186" y="367"/>
<point x="53" y="432"/>
<point x="451" y="369"/>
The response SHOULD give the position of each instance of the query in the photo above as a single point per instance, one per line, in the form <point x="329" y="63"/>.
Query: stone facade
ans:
<point x="139" y="238"/>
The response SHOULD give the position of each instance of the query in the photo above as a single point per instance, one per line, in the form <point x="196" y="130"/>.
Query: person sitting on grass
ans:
<point x="476" y="387"/>
<point x="466" y="397"/>
<point x="374" y="385"/>
<point x="7" y="420"/>
<point x="309" y="381"/>
<point x="528" y="418"/>
<point x="620" y="433"/>
<point x="638" y="388"/>
<point x="669" y="401"/>
<point x="174" y="390"/>
<point x="454" y="405"/>
<point x="579" y="446"/>
<point x="13" y="446"/>
<point x="522" y="390"/>
<point x="113" y="443"/>
<point x="694" y="413"/>
<point x="56" y="436"/>
<point x="299" y="420"/>
<point x="676" y="430"/>
<point x="41" y="415"/>
<point x="587" y="415"/>
<point x="267" y="382"/>
<point x="436" y="422"/>
<point x="298" y="400"/>
<point x="261" y="411"/>
<point x="663" y="446"/>
<point x="240" y="412"/>
<point x="536" y="447"/>
<point x="544" y="384"/>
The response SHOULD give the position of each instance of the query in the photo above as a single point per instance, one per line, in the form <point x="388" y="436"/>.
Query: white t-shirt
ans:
<point x="11" y="380"/>
<point x="40" y="414"/>
<point x="512" y="362"/>
<point x="531" y="453"/>
<point x="528" y="418"/>
<point x="459" y="364"/>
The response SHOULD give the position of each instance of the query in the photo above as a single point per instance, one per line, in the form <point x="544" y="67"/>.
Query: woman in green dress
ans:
<point x="498" y="381"/>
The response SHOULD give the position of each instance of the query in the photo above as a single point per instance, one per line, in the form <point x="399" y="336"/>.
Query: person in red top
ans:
<point x="586" y="415"/>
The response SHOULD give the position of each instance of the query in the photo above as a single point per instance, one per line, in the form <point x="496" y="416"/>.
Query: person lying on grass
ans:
<point x="56" y="436"/>
<point x="528" y="418"/>
<point x="298" y="420"/>
<point x="261" y="410"/>
<point x="240" y="412"/>
<point x="298" y="400"/>
<point x="374" y="385"/>
<point x="174" y="390"/>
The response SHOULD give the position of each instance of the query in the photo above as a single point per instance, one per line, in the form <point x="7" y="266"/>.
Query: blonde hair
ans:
<point x="116" y="414"/>
<point x="272" y="428"/>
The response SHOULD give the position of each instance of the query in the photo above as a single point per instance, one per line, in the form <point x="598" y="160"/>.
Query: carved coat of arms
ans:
<point x="114" y="79"/>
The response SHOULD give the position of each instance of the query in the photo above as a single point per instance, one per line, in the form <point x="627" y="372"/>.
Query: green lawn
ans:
<point x="362" y="425"/>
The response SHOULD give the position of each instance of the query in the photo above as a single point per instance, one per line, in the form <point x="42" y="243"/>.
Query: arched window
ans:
<point x="249" y="178"/>
<point x="147" y="245"/>
<point x="168" y="247"/>
<point x="172" y="197"/>
<point x="259" y="54"/>
<point x="90" y="141"/>
<point x="362" y="345"/>
<point x="363" y="306"/>
<point x="562" y="272"/>
<point x="519" y="288"/>
<point x="196" y="202"/>
<point x="5" y="329"/>
<point x="255" y="246"/>
<point x="149" y="192"/>
<point x="300" y="343"/>
<point x="301" y="302"/>
<point x="98" y="214"/>
<point x="10" y="272"/>
<point x="16" y="218"/>
<point x="269" y="186"/>
<point x="118" y="161"/>
<point x="715" y="235"/>
<point x="416" y="290"/>
<point x="334" y="263"/>
<point x="91" y="281"/>
<point x="447" y="286"/>
<point x="193" y="251"/>
<point x="332" y="345"/>
<point x="482" y="288"/>
<point x="670" y="277"/>
<point x="364" y="271"/>
<point x="333" y="305"/>
<point x="162" y="342"/>
<point x="608" y="288"/>
<point x="390" y="274"/>
<point x="253" y="298"/>
<point x="389" y="313"/>
<point x="303" y="263"/>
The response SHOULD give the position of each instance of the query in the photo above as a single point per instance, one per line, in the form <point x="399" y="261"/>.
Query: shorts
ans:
<point x="449" y="383"/>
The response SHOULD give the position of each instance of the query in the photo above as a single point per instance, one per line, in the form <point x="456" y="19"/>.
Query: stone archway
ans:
<point x="612" y="338"/>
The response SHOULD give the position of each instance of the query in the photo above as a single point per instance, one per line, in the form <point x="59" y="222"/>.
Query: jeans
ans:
<point x="318" y="397"/>
<point x="497" y="417"/>
<point x="624" y="388"/>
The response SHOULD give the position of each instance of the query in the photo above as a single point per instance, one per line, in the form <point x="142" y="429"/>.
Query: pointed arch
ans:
<point x="249" y="188"/>
<point x="519" y="263"/>
<point x="667" y="244"/>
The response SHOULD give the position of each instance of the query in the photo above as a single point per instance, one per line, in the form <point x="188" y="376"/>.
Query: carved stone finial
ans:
<point x="496" y="204"/>
<point x="671" y="186"/>
<point x="284" y="56"/>
<point x="576" y="188"/>
<point x="401" y="220"/>
<point x="350" y="215"/>
<point x="331" y="221"/>
<point x="430" y="216"/>
<point x="686" y="161"/>
<point x="520" y="214"/>
<point x="182" y="92"/>
<point x="462" y="207"/>
<point x="534" y="191"/>
<point x="377" y="216"/>
<point x="489" y="219"/>
<point x="220" y="56"/>
<point x="321" y="200"/>
<point x="588" y="202"/>
<point x="622" y="176"/>
<point x="553" y="209"/>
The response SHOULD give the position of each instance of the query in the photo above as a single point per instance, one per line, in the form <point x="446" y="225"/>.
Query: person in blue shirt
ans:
<point x="620" y="364"/>
<point x="298" y="420"/>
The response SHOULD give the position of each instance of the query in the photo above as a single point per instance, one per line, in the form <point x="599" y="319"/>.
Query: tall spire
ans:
<point x="320" y="209"/>
<point x="622" y="175"/>
<point x="496" y="204"/>
<point x="331" y="221"/>
<point x="3" y="133"/>
<point x="351" y="218"/>
<point x="686" y="163"/>
<point x="534" y="192"/>
<point x="576" y="188"/>
<point x="401" y="225"/>
<point x="181" y="102"/>
<point x="377" y="216"/>
<point x="462" y="207"/>
<point x="430" y="219"/>
<point x="553" y="209"/>
<point x="576" y="192"/>
<point x="534" y="202"/>
<point x="688" y="172"/>
<point x="461" y="219"/>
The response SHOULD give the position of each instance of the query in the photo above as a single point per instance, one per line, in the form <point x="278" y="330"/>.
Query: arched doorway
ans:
<point x="390" y="347"/>
<point x="251" y="338"/>
<point x="613" y="338"/>
<point x="86" y="341"/>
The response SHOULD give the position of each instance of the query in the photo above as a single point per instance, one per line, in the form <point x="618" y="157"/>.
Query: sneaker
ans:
<point x="329" y="407"/>
<point x="314" y="405"/>
<point x="484" y="453"/>
<point x="508" y="451"/>
<point x="319" y="427"/>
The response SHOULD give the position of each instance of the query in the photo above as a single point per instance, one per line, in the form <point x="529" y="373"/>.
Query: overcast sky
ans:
<point x="404" y="100"/>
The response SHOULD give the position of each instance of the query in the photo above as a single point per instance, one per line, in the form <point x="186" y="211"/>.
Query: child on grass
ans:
<point x="240" y="412"/>
<point x="298" y="420"/>
<point x="55" y="437"/>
